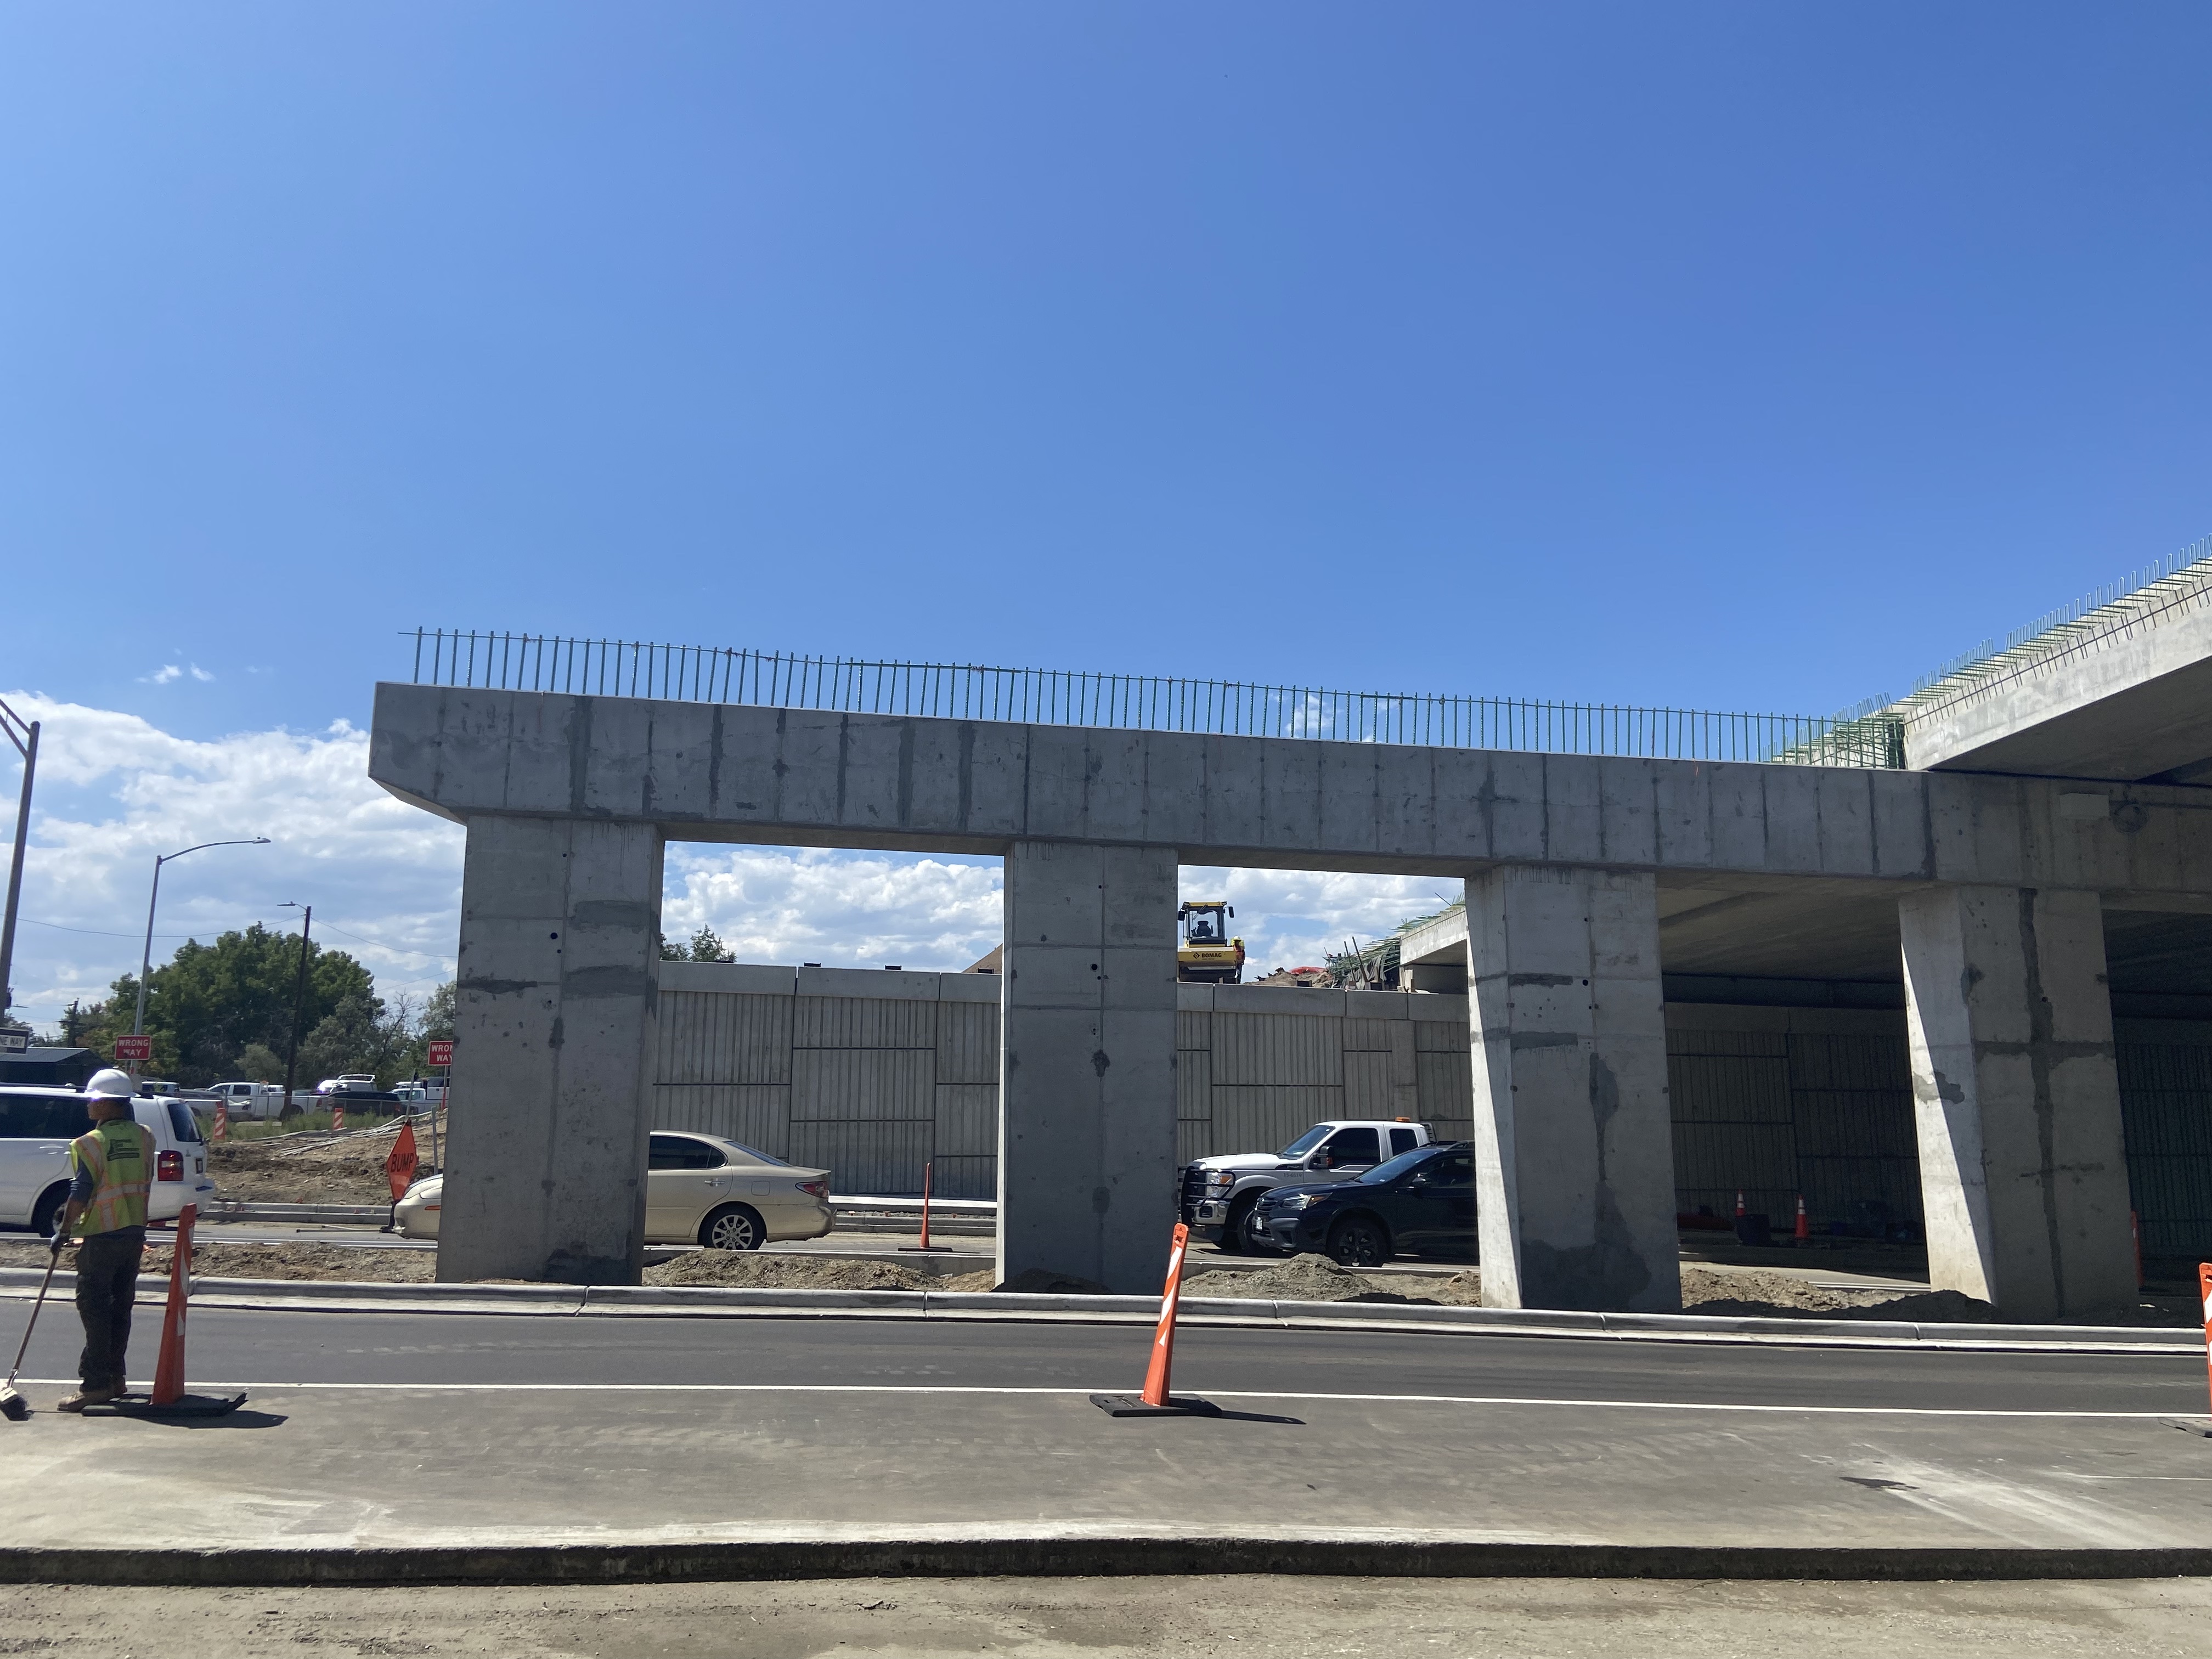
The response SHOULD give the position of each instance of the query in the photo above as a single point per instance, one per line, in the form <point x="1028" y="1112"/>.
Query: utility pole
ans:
<point x="299" y="1002"/>
<point x="24" y="734"/>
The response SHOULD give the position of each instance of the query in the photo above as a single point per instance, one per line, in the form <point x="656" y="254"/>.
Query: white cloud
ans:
<point x="201" y="674"/>
<point x="385" y="877"/>
<point x="162" y="676"/>
<point x="114" y="790"/>
<point x="843" y="909"/>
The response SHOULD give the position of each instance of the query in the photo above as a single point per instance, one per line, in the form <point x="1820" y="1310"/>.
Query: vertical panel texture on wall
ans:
<point x="1302" y="1050"/>
<point x="862" y="1084"/>
<point x="864" y="1157"/>
<point x="968" y="1043"/>
<point x="1446" y="1085"/>
<point x="1367" y="1091"/>
<point x="1265" y="1117"/>
<point x="713" y="1037"/>
<point x="1442" y="1036"/>
<point x="967" y="1120"/>
<point x="1729" y="1095"/>
<point x="1362" y="1035"/>
<point x="2165" y="1110"/>
<point x="1858" y="1159"/>
<point x="967" y="1177"/>
<point x="864" y="1023"/>
<point x="1193" y="1104"/>
<point x="752" y="1115"/>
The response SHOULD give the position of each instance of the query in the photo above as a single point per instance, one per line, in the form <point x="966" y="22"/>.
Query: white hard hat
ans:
<point x="112" y="1084"/>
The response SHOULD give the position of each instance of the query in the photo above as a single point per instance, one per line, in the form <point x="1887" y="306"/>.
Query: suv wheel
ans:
<point x="1358" y="1241"/>
<point x="732" y="1227"/>
<point x="48" y="1214"/>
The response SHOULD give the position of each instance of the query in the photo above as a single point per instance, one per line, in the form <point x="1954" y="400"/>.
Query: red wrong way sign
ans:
<point x="134" y="1048"/>
<point x="441" y="1051"/>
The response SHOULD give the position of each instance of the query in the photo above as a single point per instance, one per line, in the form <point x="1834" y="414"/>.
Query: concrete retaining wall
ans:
<point x="872" y="1073"/>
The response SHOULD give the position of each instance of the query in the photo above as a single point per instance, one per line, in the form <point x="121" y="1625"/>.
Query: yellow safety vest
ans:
<point x="119" y="1154"/>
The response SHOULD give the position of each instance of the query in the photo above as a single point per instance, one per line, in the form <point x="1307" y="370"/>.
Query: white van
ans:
<point x="37" y="1124"/>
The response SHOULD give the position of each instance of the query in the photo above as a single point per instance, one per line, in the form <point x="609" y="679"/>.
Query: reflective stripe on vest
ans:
<point x="117" y="1154"/>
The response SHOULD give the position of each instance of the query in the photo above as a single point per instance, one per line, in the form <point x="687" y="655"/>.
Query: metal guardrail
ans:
<point x="625" y="668"/>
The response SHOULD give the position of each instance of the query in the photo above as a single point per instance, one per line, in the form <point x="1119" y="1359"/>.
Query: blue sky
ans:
<point x="1734" y="356"/>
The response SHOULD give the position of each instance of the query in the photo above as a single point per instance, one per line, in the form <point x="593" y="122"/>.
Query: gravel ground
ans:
<point x="1264" y="1618"/>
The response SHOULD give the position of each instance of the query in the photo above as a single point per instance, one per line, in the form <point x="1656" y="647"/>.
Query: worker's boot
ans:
<point x="83" y="1397"/>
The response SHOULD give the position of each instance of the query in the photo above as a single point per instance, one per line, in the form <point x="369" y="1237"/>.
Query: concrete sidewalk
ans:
<point x="577" y="1481"/>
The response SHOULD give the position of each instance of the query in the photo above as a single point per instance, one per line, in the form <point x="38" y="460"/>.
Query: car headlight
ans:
<point x="1303" y="1201"/>
<point x="1221" y="1178"/>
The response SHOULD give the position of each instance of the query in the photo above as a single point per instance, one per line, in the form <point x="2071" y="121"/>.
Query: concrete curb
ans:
<point x="1015" y="1555"/>
<point x="645" y="1301"/>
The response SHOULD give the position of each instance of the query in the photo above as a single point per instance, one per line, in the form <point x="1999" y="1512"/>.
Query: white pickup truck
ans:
<point x="244" y="1102"/>
<point x="1217" y="1193"/>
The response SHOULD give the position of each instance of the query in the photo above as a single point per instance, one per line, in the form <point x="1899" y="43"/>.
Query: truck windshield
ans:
<point x="1306" y="1142"/>
<point x="1404" y="1163"/>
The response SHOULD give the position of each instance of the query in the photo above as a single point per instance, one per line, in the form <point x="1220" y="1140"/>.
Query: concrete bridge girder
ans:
<point x="568" y="799"/>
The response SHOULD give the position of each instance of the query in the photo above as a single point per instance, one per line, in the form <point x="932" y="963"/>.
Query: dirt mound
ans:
<point x="785" y="1273"/>
<point x="1309" y="1279"/>
<point x="1755" y="1293"/>
<point x="286" y="1170"/>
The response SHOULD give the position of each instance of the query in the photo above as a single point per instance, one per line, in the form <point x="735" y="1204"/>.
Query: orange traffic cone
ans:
<point x="1156" y="1401"/>
<point x="1804" y="1225"/>
<point x="1739" y="1210"/>
<point x="169" y="1398"/>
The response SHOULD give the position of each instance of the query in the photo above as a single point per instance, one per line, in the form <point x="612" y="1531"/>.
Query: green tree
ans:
<point x="210" y="1003"/>
<point x="704" y="947"/>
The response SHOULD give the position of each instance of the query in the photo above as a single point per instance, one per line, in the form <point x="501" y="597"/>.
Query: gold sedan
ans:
<point x="699" y="1189"/>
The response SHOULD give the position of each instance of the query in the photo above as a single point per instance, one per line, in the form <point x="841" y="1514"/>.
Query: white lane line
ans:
<point x="1123" y="1388"/>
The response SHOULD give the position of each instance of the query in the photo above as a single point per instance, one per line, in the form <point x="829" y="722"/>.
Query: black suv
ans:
<point x="1420" y="1202"/>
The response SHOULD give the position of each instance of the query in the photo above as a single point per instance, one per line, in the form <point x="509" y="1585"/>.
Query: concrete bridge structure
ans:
<point x="1984" y="898"/>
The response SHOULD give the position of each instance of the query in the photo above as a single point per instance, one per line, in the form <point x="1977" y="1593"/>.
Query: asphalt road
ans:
<point x="388" y="1348"/>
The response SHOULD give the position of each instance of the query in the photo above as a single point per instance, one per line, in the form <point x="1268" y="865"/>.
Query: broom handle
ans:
<point x="53" y="1262"/>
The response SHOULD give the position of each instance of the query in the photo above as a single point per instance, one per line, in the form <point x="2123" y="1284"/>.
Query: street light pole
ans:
<point x="299" y="1001"/>
<point x="146" y="956"/>
<point x="24" y="734"/>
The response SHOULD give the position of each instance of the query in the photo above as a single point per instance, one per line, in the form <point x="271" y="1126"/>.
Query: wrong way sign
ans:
<point x="441" y="1051"/>
<point x="134" y="1048"/>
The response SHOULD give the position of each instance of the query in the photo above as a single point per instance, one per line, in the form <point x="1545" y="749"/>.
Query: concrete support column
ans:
<point x="554" y="1031"/>
<point x="1087" y="1085"/>
<point x="2023" y="1172"/>
<point x="1574" y="1149"/>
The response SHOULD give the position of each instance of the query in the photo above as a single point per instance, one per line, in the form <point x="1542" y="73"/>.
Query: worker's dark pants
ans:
<point x="107" y="1285"/>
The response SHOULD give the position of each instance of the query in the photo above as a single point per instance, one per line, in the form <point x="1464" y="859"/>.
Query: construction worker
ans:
<point x="112" y="1170"/>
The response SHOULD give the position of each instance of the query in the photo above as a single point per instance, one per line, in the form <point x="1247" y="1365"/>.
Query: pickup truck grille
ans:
<point x="1194" y="1189"/>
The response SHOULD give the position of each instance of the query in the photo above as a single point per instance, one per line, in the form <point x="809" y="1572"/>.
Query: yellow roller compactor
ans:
<point x="1208" y="955"/>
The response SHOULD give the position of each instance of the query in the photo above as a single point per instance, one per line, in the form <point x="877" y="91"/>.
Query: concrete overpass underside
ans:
<point x="1603" y="891"/>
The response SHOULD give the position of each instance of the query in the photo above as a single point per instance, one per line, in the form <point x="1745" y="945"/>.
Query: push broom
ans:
<point x="13" y="1405"/>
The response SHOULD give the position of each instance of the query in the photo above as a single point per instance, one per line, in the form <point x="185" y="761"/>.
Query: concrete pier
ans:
<point x="1574" y="1158"/>
<point x="1087" y="1086"/>
<point x="554" y="1032"/>
<point x="2016" y="1097"/>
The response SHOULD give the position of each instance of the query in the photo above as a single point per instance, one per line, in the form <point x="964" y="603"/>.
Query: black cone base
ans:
<point x="190" y="1405"/>
<point x="1133" y="1405"/>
